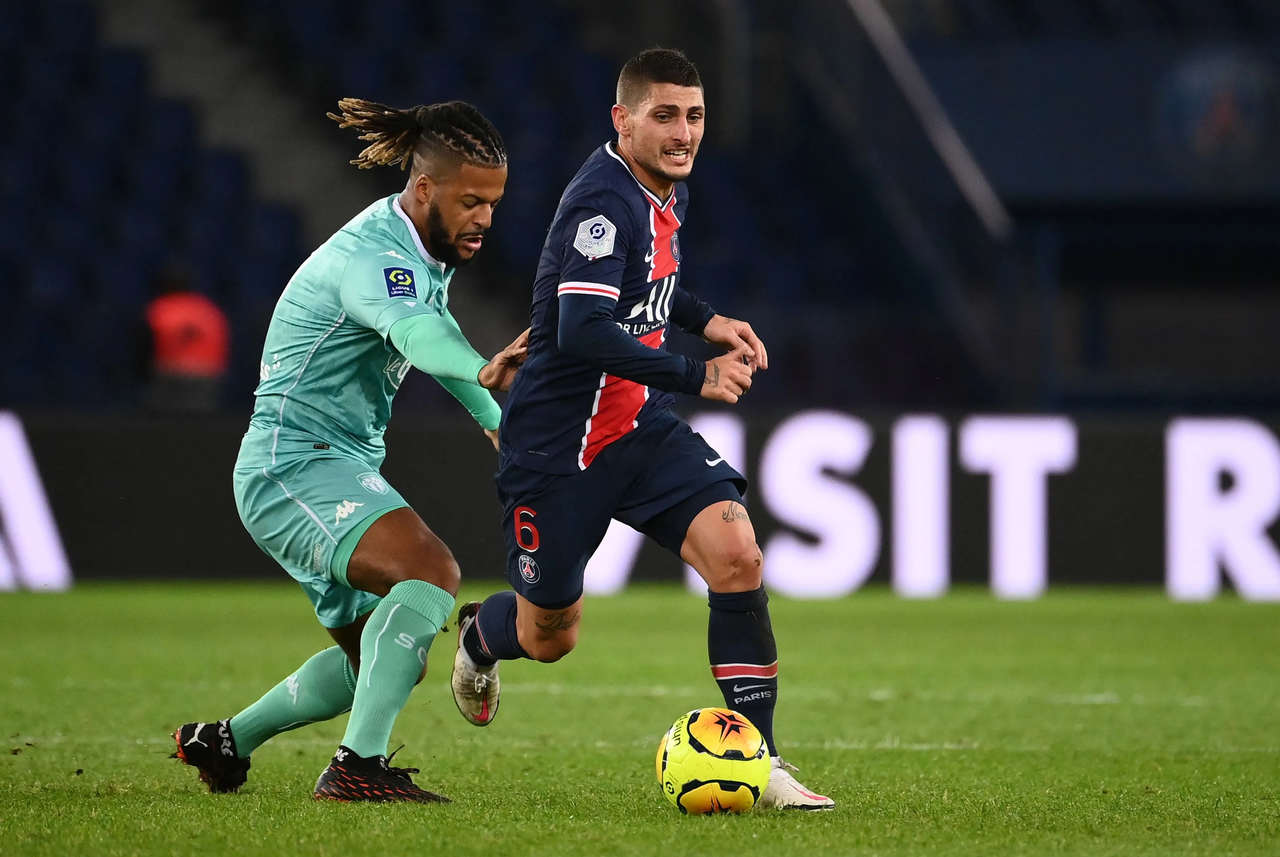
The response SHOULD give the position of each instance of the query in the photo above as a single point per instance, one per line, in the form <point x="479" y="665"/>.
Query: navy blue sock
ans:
<point x="744" y="656"/>
<point x="492" y="637"/>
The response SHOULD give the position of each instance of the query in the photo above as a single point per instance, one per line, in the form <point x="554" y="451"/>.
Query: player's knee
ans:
<point x="736" y="566"/>
<point x="551" y="649"/>
<point x="434" y="563"/>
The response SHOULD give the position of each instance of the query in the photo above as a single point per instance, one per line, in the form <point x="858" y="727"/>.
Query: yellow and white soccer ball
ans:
<point x="713" y="760"/>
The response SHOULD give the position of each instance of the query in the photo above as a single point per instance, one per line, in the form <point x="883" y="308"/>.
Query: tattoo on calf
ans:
<point x="561" y="621"/>
<point x="734" y="512"/>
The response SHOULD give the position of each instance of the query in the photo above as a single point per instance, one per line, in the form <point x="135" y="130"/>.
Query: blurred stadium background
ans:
<point x="1016" y="260"/>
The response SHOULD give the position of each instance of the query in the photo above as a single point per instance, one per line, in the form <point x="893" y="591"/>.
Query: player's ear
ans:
<point x="621" y="120"/>
<point x="424" y="188"/>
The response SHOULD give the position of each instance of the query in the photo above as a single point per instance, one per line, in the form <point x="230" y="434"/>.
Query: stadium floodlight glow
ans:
<point x="1222" y="486"/>
<point x="800" y="482"/>
<point x="1019" y="453"/>
<point x="31" y="551"/>
<point x="921" y="507"/>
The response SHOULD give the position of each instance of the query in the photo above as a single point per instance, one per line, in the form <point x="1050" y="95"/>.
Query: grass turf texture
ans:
<point x="1091" y="723"/>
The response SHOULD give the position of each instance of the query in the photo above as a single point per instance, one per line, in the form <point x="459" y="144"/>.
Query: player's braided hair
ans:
<point x="394" y="135"/>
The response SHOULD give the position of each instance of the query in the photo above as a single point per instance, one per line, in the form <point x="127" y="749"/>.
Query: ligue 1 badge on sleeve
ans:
<point x="399" y="283"/>
<point x="595" y="237"/>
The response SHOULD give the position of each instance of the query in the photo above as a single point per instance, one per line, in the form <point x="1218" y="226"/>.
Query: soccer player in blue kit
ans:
<point x="588" y="434"/>
<point x="368" y="304"/>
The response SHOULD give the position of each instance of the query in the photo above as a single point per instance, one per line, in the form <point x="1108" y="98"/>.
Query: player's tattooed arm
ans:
<point x="560" y="620"/>
<point x="734" y="512"/>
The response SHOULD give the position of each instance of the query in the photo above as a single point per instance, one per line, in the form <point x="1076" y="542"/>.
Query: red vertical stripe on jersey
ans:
<point x="618" y="401"/>
<point x="663" y="224"/>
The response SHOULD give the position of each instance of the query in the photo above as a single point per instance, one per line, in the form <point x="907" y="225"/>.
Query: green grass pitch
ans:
<point x="1087" y="723"/>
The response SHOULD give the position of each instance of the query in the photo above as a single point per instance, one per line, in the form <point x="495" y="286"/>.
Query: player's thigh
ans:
<point x="720" y="543"/>
<point x="689" y="500"/>
<point x="551" y="525"/>
<point x="299" y="510"/>
<point x="400" y="546"/>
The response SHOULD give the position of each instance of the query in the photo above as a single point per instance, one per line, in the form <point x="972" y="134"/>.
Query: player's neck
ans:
<point x="656" y="185"/>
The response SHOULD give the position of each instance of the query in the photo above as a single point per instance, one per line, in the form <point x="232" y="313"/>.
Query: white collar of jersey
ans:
<point x="417" y="239"/>
<point x="608" y="147"/>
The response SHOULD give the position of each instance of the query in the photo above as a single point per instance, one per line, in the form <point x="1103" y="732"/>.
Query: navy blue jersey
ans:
<point x="608" y="282"/>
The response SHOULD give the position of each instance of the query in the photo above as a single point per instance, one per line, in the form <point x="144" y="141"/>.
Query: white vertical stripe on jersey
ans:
<point x="284" y="397"/>
<point x="653" y="243"/>
<point x="595" y="408"/>
<point x="302" y="505"/>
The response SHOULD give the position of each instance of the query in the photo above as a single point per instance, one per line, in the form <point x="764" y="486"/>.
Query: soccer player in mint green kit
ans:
<point x="367" y="305"/>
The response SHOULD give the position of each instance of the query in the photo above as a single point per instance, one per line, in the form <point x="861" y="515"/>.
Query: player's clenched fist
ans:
<point x="728" y="377"/>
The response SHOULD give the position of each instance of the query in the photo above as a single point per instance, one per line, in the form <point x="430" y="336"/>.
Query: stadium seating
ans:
<point x="104" y="184"/>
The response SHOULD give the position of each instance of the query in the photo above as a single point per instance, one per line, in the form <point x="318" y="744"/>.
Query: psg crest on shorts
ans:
<point x="529" y="569"/>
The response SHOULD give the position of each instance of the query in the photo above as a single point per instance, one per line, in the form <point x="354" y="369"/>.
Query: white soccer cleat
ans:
<point x="785" y="792"/>
<point x="475" y="688"/>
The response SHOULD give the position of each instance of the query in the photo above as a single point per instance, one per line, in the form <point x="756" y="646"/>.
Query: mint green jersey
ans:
<point x="329" y="372"/>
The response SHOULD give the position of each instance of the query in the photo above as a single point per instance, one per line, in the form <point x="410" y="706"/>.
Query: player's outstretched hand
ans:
<point x="501" y="370"/>
<point x="728" y="376"/>
<point x="733" y="335"/>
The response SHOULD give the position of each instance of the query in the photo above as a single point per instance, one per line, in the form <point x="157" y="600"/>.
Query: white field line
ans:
<point x="805" y="693"/>
<point x="507" y="743"/>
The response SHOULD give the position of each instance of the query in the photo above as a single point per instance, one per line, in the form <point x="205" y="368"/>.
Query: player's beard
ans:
<point x="439" y="242"/>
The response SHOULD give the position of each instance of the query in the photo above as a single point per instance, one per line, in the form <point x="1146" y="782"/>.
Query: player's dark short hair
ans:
<point x="656" y="65"/>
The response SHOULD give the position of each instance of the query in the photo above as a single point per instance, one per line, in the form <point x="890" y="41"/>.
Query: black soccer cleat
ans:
<point x="210" y="749"/>
<point x="354" y="778"/>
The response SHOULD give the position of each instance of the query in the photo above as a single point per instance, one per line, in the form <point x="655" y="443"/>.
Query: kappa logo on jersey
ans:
<point x="400" y="283"/>
<point x="344" y="510"/>
<point x="529" y="569"/>
<point x="595" y="237"/>
<point x="372" y="482"/>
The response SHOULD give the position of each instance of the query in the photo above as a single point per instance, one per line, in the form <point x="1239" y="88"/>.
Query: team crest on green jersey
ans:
<point x="372" y="482"/>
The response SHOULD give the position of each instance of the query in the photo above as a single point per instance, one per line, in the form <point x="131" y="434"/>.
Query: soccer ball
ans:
<point x="713" y="760"/>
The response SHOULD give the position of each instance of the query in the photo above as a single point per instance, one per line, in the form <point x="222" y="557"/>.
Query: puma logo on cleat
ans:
<point x="195" y="737"/>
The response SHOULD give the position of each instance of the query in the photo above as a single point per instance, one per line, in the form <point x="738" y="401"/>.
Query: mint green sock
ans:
<point x="393" y="648"/>
<point x="322" y="688"/>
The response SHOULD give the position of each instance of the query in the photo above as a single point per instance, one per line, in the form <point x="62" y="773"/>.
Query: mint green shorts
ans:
<point x="307" y="512"/>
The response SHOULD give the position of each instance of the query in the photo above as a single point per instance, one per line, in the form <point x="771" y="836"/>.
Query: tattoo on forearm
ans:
<point x="734" y="512"/>
<point x="561" y="621"/>
<point x="713" y="375"/>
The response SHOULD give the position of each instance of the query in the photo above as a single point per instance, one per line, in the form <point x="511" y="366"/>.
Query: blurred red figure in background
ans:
<point x="190" y="348"/>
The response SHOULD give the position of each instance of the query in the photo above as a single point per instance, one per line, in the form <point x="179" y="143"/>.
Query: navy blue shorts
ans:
<point x="655" y="479"/>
